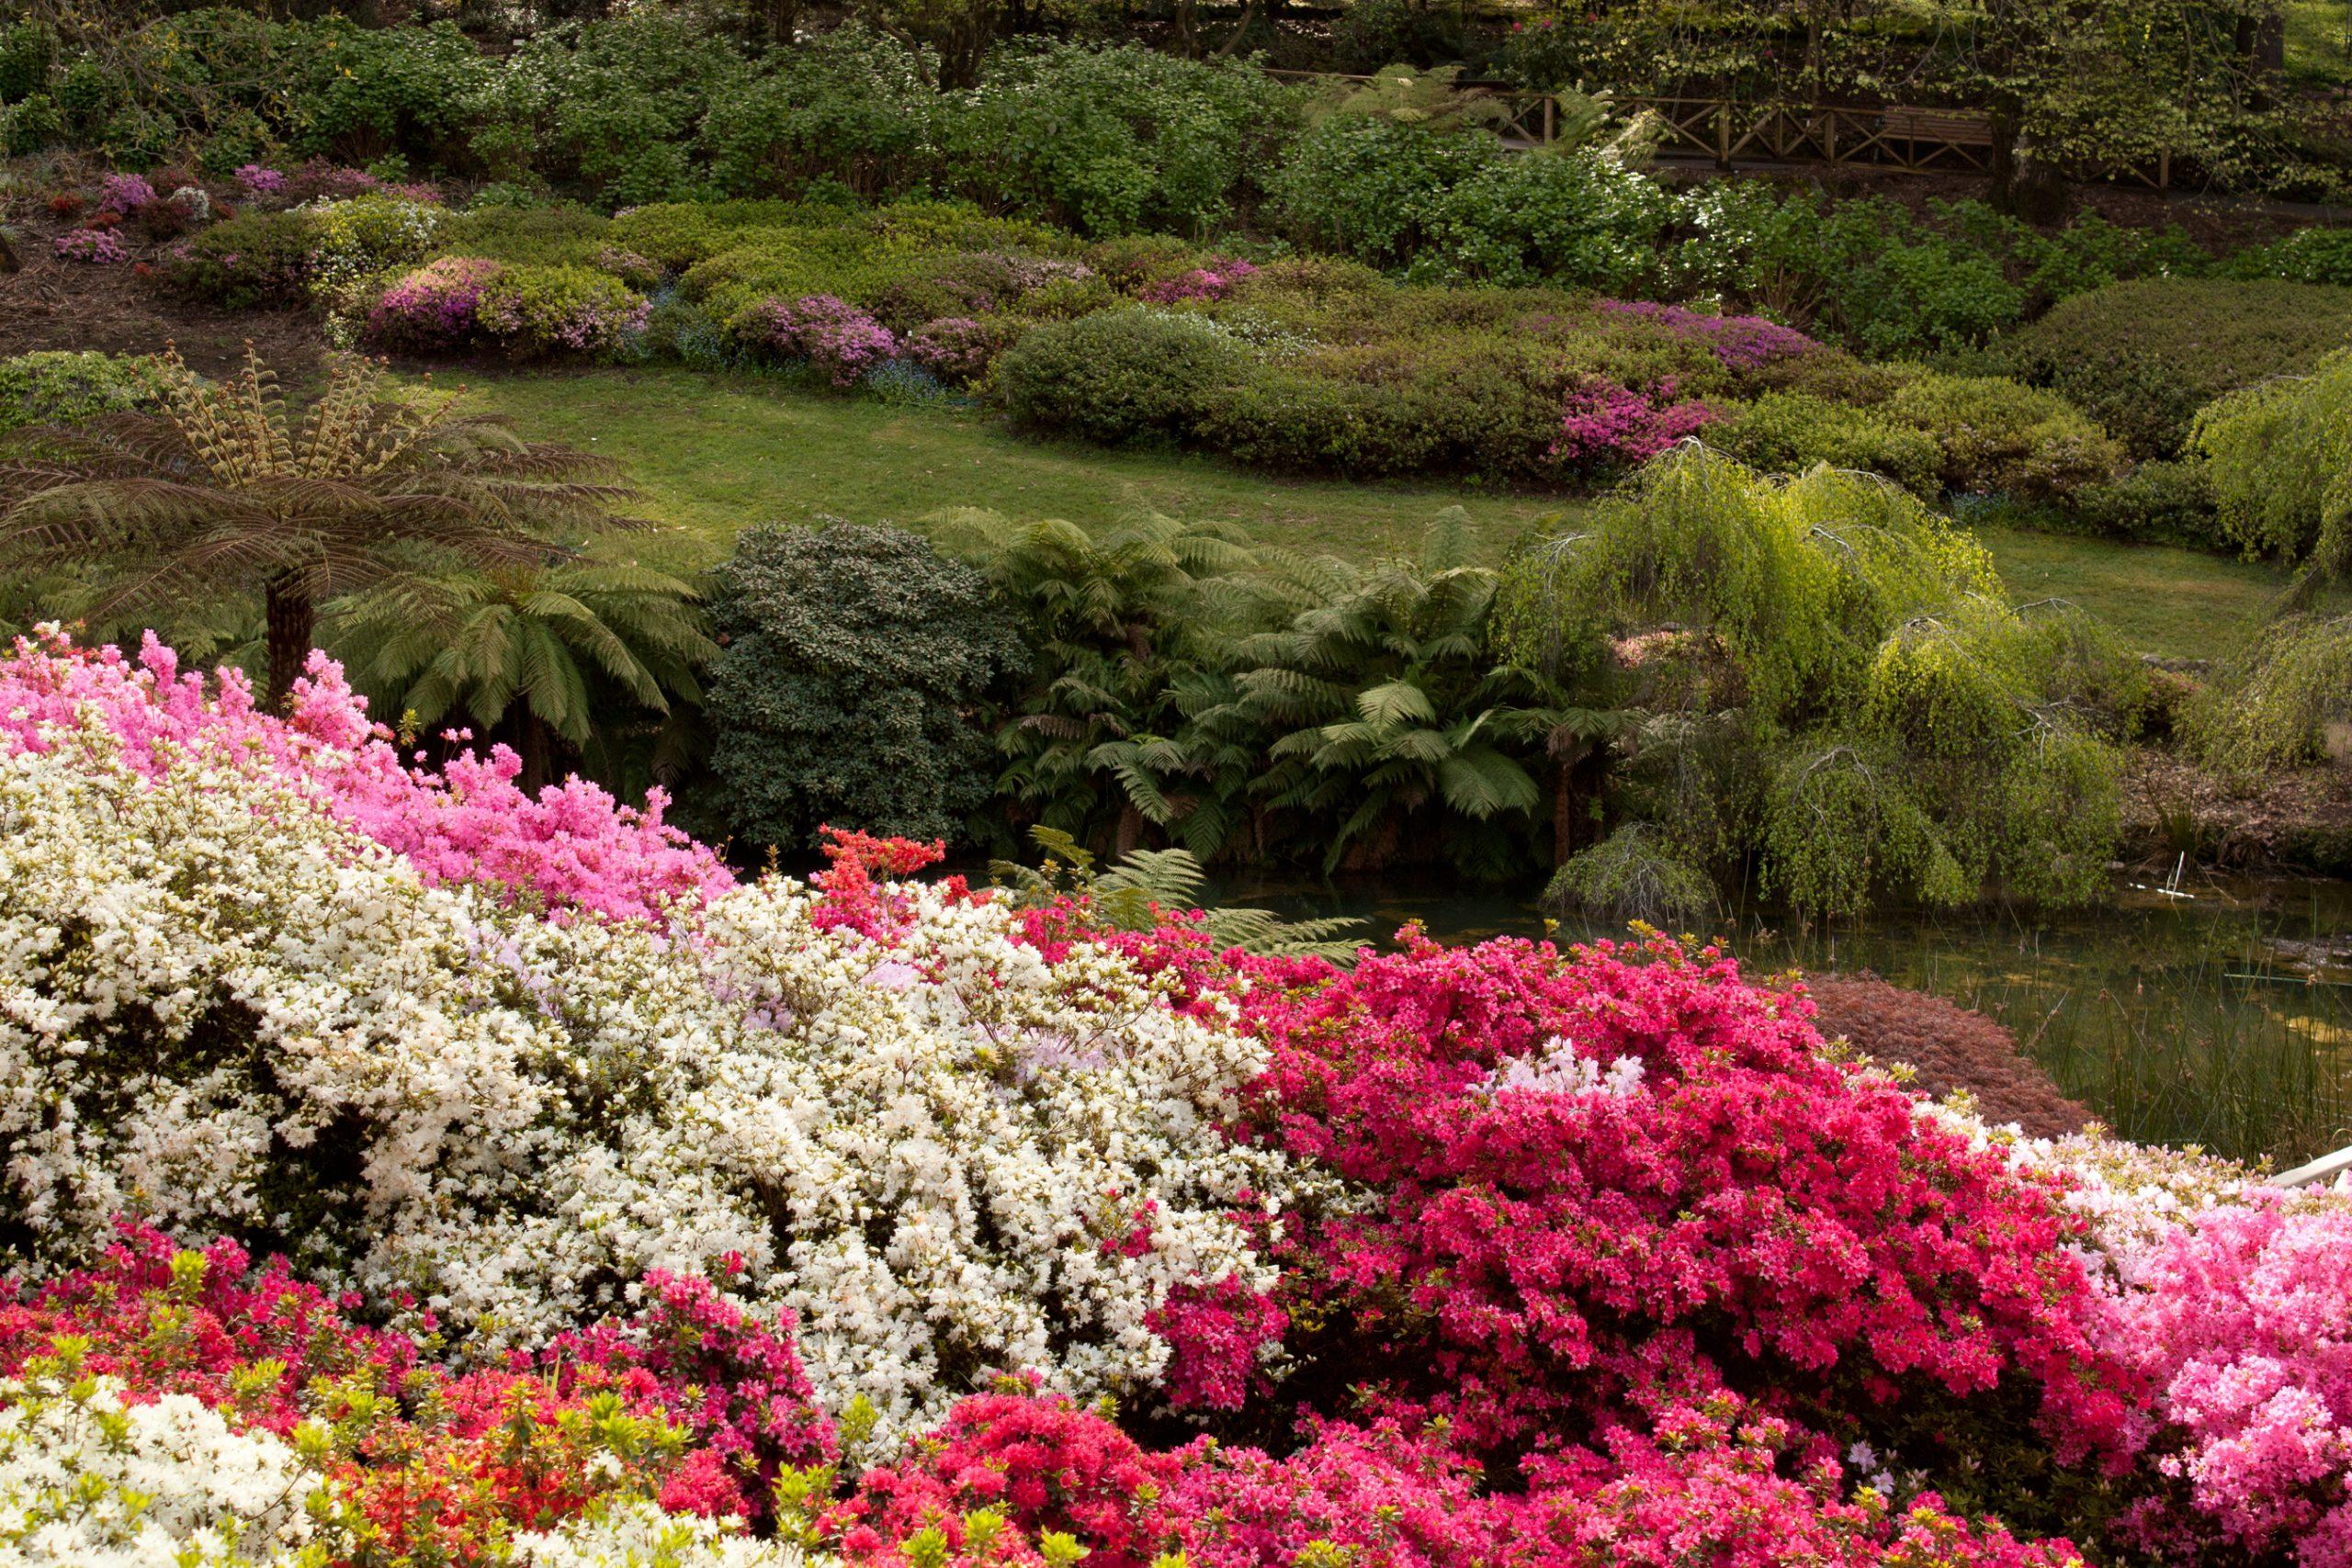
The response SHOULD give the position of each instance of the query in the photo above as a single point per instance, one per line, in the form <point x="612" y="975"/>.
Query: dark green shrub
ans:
<point x="64" y="388"/>
<point x="254" y="258"/>
<point x="31" y="125"/>
<point x="1788" y="432"/>
<point x="28" y="49"/>
<point x="2142" y="358"/>
<point x="2307" y="255"/>
<point x="1582" y="218"/>
<point x="2155" y="503"/>
<point x="1365" y="187"/>
<point x="544" y="235"/>
<point x="1373" y="33"/>
<point x="1292" y="421"/>
<point x="849" y="693"/>
<point x="1119" y="375"/>
<point x="1997" y="438"/>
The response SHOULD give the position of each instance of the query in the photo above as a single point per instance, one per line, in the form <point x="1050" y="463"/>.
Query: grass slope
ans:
<point x="716" y="454"/>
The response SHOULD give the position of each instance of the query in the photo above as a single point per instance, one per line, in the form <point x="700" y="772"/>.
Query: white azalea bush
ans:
<point x="90" y="1480"/>
<point x="224" y="1010"/>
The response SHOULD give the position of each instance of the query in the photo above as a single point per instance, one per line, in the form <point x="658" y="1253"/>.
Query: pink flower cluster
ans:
<point x="437" y="307"/>
<point x="2243" y="1324"/>
<point x="1740" y="342"/>
<point x="1608" y="422"/>
<point x="572" y="847"/>
<point x="1685" y="1163"/>
<point x="834" y="336"/>
<point x="125" y="193"/>
<point x="1212" y="282"/>
<point x="259" y="179"/>
<point x="99" y="247"/>
<point x="957" y="348"/>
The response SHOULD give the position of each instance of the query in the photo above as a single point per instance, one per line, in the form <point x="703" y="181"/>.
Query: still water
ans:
<point x="2218" y="1013"/>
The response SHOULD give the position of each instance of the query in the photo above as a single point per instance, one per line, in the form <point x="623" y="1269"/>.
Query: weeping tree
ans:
<point x="226" y="488"/>
<point x="1820" y="680"/>
<point x="2280" y="457"/>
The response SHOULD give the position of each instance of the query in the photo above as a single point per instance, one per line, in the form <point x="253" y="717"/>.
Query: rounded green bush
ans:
<point x="62" y="387"/>
<point x="2142" y="358"/>
<point x="1118" y="375"/>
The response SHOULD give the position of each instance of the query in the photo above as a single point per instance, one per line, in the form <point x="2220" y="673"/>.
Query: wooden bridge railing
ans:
<point x="1898" y="136"/>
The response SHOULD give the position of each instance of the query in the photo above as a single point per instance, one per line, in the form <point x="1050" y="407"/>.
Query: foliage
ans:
<point x="1627" y="875"/>
<point x="225" y="488"/>
<point x="2279" y="458"/>
<point x="875" y="1105"/>
<point x="2143" y="358"/>
<point x="553" y="656"/>
<point x="1117" y="376"/>
<point x="1998" y="436"/>
<point x="1149" y="887"/>
<point x="854" y="665"/>
<point x="2269" y="704"/>
<point x="1821" y="668"/>
<point x="59" y="387"/>
<point x="1788" y="432"/>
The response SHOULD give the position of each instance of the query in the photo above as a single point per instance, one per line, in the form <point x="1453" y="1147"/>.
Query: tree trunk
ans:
<point x="9" y="262"/>
<point x="536" y="744"/>
<point x="292" y="621"/>
<point x="1564" y="817"/>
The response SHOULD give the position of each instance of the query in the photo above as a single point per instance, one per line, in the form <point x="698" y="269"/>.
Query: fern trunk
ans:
<point x="292" y="619"/>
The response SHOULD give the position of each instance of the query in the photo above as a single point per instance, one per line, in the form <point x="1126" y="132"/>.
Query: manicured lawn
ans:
<point x="714" y="454"/>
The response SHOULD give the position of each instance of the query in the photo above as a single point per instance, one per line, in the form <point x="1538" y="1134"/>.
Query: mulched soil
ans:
<point x="57" y="304"/>
<point x="2171" y="806"/>
<point x="1950" y="1047"/>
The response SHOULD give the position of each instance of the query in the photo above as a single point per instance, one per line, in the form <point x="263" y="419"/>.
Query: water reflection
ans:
<point x="2223" y="1018"/>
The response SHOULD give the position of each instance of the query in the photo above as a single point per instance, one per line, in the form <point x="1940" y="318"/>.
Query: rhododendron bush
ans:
<point x="614" y="1210"/>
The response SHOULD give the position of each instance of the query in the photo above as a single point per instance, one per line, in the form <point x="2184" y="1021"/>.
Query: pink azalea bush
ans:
<point x="97" y="247"/>
<point x="125" y="193"/>
<point x="836" y="338"/>
<point x="1739" y="343"/>
<point x="1605" y="422"/>
<point x="439" y="305"/>
<point x="958" y="348"/>
<point x="572" y="846"/>
<point x="1211" y="283"/>
<point x="1593" y="1258"/>
<point x="2243" y="1321"/>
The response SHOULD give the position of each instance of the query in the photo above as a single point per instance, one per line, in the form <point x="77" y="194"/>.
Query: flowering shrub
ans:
<point x="1740" y="342"/>
<point x="571" y="846"/>
<point x="436" y="306"/>
<point x="259" y="180"/>
<point x="960" y="349"/>
<point x="1606" y="422"/>
<point x="99" y="247"/>
<point x="125" y="193"/>
<point x="1578" y="1155"/>
<point x="835" y="338"/>
<point x="2244" y="1322"/>
<point x="989" y="1162"/>
<point x="1213" y="281"/>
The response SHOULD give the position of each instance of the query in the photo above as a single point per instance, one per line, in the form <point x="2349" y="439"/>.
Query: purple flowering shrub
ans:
<point x="99" y="247"/>
<point x="1739" y="343"/>
<point x="260" y="180"/>
<point x="960" y="349"/>
<point x="125" y="194"/>
<point x="1212" y="282"/>
<point x="1606" y="422"/>
<point x="527" y="312"/>
<point x="832" y="335"/>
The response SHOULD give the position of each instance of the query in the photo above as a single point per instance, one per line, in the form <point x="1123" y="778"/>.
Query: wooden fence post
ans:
<point x="1550" y="105"/>
<point x="1722" y="134"/>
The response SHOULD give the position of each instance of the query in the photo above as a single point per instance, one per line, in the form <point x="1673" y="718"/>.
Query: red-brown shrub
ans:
<point x="1950" y="1047"/>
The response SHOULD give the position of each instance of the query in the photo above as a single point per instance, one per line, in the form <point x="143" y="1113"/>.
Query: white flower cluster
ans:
<point x="638" y="1534"/>
<point x="220" y="1008"/>
<point x="1558" y="1069"/>
<point x="87" y="1481"/>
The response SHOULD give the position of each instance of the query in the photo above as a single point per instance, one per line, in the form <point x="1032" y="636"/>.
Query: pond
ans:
<point x="2217" y="1013"/>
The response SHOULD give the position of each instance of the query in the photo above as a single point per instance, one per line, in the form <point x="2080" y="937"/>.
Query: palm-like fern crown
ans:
<point x="225" y="485"/>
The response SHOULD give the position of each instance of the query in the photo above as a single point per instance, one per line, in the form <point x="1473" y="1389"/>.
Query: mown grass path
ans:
<point x="715" y="454"/>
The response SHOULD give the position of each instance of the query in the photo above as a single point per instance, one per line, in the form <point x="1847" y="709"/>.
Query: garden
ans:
<point x="972" y="786"/>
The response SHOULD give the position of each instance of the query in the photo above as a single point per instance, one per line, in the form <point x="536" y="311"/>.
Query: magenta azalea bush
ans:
<point x="1499" y="1256"/>
<point x="1606" y="423"/>
<point x="835" y="338"/>
<point x="526" y="312"/>
<point x="98" y="247"/>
